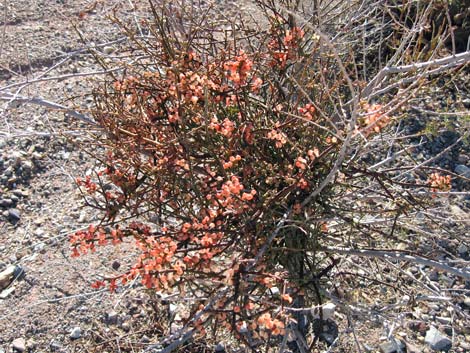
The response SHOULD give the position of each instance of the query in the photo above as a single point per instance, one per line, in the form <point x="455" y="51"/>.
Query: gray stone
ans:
<point x="108" y="49"/>
<point x="465" y="346"/>
<point x="444" y="320"/>
<point x="434" y="276"/>
<point x="55" y="346"/>
<point x="6" y="202"/>
<point x="14" y="214"/>
<point x="393" y="347"/>
<point x="219" y="348"/>
<point x="462" y="170"/>
<point x="115" y="265"/>
<point x="75" y="333"/>
<point x="40" y="247"/>
<point x="437" y="341"/>
<point x="112" y="317"/>
<point x="19" y="345"/>
<point x="462" y="250"/>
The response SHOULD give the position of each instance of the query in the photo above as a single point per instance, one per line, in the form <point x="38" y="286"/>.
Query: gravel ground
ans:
<point x="52" y="307"/>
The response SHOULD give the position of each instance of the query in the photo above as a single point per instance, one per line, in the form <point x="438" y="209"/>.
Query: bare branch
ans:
<point x="395" y="255"/>
<point x="48" y="104"/>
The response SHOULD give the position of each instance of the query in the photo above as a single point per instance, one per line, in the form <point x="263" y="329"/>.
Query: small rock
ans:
<point x="437" y="341"/>
<point x="19" y="345"/>
<point x="112" y="318"/>
<point x="466" y="302"/>
<point x="125" y="326"/>
<point x="328" y="311"/>
<point x="27" y="166"/>
<point x="463" y="251"/>
<point x="115" y="265"/>
<point x="75" y="333"/>
<point x="172" y="309"/>
<point x="14" y="215"/>
<point x="6" y="202"/>
<point x="465" y="346"/>
<point x="108" y="49"/>
<point x="418" y="326"/>
<point x="462" y="170"/>
<point x="396" y="346"/>
<point x="434" y="276"/>
<point x="444" y="320"/>
<point x="39" y="247"/>
<point x="219" y="348"/>
<point x="55" y="346"/>
<point x="39" y="232"/>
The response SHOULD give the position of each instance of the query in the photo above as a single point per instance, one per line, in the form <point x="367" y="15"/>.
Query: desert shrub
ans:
<point x="243" y="163"/>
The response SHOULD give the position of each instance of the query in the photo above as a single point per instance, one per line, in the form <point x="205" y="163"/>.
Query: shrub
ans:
<point x="239" y="164"/>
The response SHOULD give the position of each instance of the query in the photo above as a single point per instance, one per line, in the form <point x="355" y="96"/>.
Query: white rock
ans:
<point x="19" y="345"/>
<point x="75" y="333"/>
<point x="108" y="49"/>
<point x="328" y="310"/>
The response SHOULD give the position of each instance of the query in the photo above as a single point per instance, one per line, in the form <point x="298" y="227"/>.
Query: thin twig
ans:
<point x="394" y="255"/>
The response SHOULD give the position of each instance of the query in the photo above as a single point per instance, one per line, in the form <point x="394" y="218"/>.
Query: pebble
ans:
<point x="55" y="346"/>
<point x="19" y="345"/>
<point x="418" y="326"/>
<point x="115" y="265"/>
<point x="39" y="233"/>
<point x="328" y="311"/>
<point x="437" y="341"/>
<point x="75" y="333"/>
<point x="463" y="251"/>
<point x="434" y="276"/>
<point x="465" y="346"/>
<point x="112" y="317"/>
<point x="39" y="247"/>
<point x="14" y="214"/>
<point x="425" y="317"/>
<point x="444" y="320"/>
<point x="393" y="347"/>
<point x="462" y="170"/>
<point x="219" y="348"/>
<point x="6" y="202"/>
<point x="108" y="49"/>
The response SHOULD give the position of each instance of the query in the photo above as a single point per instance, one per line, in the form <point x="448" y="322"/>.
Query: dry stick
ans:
<point x="59" y="78"/>
<point x="4" y="27"/>
<point x="444" y="63"/>
<point x="393" y="255"/>
<point x="47" y="104"/>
